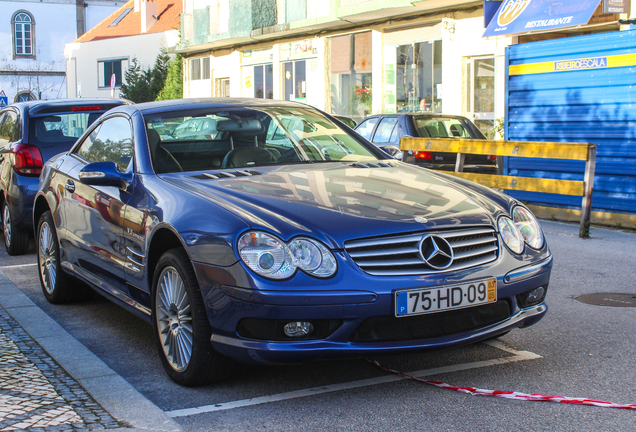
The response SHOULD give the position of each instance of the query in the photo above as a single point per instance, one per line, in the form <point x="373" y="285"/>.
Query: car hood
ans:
<point x="341" y="201"/>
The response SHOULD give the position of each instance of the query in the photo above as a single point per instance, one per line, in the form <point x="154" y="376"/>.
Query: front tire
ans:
<point x="181" y="327"/>
<point x="16" y="240"/>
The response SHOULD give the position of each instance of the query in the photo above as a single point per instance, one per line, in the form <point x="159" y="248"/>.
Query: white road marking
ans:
<point x="18" y="265"/>
<point x="517" y="356"/>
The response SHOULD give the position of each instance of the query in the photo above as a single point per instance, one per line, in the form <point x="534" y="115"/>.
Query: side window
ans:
<point x="366" y="127"/>
<point x="111" y="142"/>
<point x="9" y="128"/>
<point x="385" y="130"/>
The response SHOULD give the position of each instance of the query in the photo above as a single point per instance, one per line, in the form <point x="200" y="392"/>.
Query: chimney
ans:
<point x="148" y="14"/>
<point x="136" y="5"/>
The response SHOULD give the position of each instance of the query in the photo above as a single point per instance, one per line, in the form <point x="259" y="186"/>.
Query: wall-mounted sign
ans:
<point x="527" y="16"/>
<point x="613" y="61"/>
<point x="299" y="49"/>
<point x="264" y="55"/>
<point x="616" y="6"/>
<point x="4" y="100"/>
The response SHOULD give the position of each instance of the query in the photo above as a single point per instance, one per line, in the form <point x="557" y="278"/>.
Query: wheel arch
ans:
<point x="163" y="240"/>
<point x="40" y="206"/>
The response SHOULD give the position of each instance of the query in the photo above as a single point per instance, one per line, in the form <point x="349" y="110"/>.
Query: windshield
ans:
<point x="245" y="138"/>
<point x="445" y="127"/>
<point x="63" y="129"/>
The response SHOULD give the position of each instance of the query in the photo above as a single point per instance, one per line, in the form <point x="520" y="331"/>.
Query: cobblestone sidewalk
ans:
<point x="36" y="394"/>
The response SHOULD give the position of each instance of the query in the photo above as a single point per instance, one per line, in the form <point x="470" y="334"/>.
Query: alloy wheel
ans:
<point x="174" y="319"/>
<point x="6" y="218"/>
<point x="47" y="258"/>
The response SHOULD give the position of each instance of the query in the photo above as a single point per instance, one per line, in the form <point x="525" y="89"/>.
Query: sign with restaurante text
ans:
<point x="527" y="16"/>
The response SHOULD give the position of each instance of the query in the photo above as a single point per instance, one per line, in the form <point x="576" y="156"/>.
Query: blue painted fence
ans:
<point x="580" y="105"/>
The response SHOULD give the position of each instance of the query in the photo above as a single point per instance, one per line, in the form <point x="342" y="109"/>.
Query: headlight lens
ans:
<point x="272" y="258"/>
<point x="266" y="255"/>
<point x="313" y="257"/>
<point x="510" y="234"/>
<point x="528" y="226"/>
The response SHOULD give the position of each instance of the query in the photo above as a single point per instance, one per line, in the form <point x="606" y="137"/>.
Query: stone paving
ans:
<point x="36" y="394"/>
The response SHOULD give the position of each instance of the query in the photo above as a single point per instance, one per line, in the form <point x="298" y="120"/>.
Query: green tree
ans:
<point x="143" y="85"/>
<point x="173" y="86"/>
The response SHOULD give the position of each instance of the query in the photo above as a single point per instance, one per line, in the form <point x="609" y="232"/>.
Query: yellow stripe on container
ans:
<point x="621" y="60"/>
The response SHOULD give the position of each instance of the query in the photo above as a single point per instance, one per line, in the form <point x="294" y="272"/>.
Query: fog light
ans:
<point x="536" y="295"/>
<point x="531" y="298"/>
<point x="298" y="329"/>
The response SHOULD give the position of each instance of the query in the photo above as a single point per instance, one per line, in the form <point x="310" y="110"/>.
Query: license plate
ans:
<point x="437" y="299"/>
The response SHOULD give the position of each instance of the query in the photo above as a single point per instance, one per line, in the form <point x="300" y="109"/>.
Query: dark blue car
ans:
<point x="31" y="133"/>
<point x="283" y="238"/>
<point x="386" y="130"/>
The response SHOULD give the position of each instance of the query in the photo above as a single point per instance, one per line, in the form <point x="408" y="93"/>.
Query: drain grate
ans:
<point x="609" y="299"/>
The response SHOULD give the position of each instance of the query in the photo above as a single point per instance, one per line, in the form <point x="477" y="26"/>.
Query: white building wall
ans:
<point x="464" y="43"/>
<point x="55" y="24"/>
<point x="83" y="58"/>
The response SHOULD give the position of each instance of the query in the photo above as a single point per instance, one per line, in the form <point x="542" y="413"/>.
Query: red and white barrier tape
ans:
<point x="509" y="395"/>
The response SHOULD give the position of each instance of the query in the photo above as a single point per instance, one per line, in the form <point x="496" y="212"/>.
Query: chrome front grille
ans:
<point x="401" y="255"/>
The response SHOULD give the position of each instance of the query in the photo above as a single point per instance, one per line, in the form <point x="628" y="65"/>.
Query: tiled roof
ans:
<point x="168" y="14"/>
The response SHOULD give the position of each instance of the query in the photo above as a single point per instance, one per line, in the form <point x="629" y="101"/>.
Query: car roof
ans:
<point x="422" y="114"/>
<point x="202" y="103"/>
<point x="35" y="107"/>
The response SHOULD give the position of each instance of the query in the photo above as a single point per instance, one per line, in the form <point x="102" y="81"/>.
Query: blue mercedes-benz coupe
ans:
<point x="283" y="237"/>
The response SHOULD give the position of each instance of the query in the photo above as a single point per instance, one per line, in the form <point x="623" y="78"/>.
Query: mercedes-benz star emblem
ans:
<point x="436" y="251"/>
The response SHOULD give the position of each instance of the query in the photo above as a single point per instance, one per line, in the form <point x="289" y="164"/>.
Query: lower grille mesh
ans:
<point x="392" y="329"/>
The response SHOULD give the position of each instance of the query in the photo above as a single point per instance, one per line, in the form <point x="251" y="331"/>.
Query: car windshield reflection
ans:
<point x="244" y="138"/>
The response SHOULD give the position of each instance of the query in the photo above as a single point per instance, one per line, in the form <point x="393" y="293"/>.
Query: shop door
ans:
<point x="295" y="80"/>
<point x="481" y="92"/>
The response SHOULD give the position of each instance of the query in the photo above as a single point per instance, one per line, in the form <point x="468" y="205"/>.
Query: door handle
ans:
<point x="70" y="186"/>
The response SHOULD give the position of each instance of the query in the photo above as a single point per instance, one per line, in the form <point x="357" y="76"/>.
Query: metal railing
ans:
<point x="531" y="149"/>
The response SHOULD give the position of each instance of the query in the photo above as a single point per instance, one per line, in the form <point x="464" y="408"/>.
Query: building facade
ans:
<point x="97" y="61"/>
<point x="31" y="59"/>
<point x="353" y="57"/>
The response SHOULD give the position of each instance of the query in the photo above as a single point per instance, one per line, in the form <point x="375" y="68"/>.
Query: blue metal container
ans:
<point x="578" y="89"/>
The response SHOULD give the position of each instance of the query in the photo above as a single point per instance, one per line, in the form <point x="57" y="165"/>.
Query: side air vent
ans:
<point x="371" y="165"/>
<point x="228" y="174"/>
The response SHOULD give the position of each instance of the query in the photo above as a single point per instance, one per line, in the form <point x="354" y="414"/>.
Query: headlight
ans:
<point x="313" y="257"/>
<point x="528" y="226"/>
<point x="270" y="257"/>
<point x="266" y="255"/>
<point x="510" y="234"/>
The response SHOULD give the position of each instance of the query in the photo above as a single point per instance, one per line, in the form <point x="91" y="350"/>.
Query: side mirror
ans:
<point x="103" y="174"/>
<point x="393" y="151"/>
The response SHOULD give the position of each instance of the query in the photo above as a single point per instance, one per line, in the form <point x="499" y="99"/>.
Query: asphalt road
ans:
<point x="577" y="350"/>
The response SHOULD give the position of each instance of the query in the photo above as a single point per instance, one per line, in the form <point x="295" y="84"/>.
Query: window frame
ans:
<point x="94" y="133"/>
<point x="100" y="67"/>
<point x="14" y="38"/>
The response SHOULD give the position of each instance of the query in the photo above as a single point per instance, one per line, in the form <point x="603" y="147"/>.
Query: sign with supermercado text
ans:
<point x="526" y="16"/>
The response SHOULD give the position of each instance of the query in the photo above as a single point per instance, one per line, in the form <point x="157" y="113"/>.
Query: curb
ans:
<point x="111" y="391"/>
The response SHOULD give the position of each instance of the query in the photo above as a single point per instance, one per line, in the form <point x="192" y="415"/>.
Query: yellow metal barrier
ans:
<point x="534" y="149"/>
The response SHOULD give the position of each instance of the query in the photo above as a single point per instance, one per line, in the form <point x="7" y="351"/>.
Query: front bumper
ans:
<point x="227" y="305"/>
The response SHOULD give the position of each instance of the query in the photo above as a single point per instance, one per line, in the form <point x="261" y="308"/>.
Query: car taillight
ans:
<point x="492" y="157"/>
<point x="422" y="155"/>
<point x="87" y="108"/>
<point x="26" y="159"/>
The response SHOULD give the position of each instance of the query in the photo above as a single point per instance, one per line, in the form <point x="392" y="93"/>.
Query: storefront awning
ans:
<point x="527" y="16"/>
